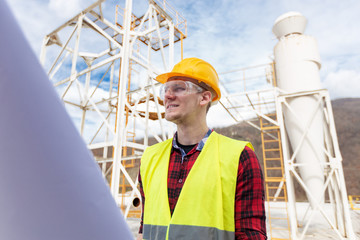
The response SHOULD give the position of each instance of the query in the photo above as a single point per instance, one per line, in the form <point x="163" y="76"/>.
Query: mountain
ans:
<point x="347" y="120"/>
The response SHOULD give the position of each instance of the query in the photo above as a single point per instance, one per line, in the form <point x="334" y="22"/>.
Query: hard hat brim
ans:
<point x="163" y="78"/>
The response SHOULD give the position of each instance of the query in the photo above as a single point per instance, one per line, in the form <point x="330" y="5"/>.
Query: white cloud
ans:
<point x="65" y="9"/>
<point x="343" y="83"/>
<point x="218" y="117"/>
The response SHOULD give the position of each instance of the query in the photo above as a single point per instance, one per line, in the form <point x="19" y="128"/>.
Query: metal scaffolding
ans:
<point x="111" y="93"/>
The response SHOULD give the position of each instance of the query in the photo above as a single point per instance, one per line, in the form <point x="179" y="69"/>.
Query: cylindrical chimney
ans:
<point x="297" y="64"/>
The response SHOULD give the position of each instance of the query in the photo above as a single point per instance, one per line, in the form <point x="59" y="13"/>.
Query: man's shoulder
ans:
<point x="227" y="140"/>
<point x="155" y="151"/>
<point x="159" y="145"/>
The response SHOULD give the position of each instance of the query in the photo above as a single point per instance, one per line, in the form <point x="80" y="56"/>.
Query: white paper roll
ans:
<point x="50" y="186"/>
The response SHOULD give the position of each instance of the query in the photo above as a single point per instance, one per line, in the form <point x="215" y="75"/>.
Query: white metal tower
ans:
<point x="311" y="151"/>
<point x="105" y="73"/>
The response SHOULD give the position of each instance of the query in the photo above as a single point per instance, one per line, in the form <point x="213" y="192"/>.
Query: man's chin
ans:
<point x="170" y="117"/>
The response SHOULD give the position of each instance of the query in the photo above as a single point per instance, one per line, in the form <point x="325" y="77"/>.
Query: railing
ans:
<point x="178" y="19"/>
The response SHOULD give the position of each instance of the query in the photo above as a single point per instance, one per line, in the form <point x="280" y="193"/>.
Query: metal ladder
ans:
<point x="275" y="183"/>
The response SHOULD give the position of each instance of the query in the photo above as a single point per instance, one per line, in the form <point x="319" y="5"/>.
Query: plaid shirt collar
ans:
<point x="199" y="147"/>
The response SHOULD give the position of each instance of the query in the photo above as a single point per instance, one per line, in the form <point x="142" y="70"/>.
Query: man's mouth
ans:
<point x="171" y="106"/>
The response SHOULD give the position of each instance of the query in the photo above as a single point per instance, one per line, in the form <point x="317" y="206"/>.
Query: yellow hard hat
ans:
<point x="197" y="69"/>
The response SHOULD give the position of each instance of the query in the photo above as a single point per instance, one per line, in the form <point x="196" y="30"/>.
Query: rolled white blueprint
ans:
<point x="50" y="186"/>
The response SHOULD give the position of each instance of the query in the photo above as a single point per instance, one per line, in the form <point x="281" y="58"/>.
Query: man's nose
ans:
<point x="169" y="93"/>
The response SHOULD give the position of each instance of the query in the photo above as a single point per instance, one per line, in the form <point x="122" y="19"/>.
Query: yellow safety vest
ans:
<point x="205" y="208"/>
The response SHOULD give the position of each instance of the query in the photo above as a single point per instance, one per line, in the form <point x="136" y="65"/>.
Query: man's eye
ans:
<point x="178" y="89"/>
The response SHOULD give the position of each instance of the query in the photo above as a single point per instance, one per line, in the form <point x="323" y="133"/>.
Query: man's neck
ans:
<point x="191" y="134"/>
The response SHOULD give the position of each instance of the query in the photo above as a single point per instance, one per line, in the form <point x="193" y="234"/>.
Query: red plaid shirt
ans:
<point x="249" y="197"/>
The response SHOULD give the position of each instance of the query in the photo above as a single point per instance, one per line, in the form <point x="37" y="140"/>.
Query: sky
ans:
<point x="232" y="34"/>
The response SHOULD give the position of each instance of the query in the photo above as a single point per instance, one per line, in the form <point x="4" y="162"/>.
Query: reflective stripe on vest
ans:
<point x="205" y="208"/>
<point x="177" y="232"/>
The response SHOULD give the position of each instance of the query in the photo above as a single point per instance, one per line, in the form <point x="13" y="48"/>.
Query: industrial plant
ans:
<point x="113" y="99"/>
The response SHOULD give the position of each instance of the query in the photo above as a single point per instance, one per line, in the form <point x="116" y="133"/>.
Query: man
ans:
<point x="199" y="184"/>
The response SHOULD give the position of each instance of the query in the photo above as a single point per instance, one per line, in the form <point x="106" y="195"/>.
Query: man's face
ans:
<point x="181" y="99"/>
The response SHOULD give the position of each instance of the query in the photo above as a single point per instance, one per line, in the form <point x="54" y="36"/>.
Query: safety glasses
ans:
<point x="179" y="88"/>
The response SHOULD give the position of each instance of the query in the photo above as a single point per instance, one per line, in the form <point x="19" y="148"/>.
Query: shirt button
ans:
<point x="180" y="180"/>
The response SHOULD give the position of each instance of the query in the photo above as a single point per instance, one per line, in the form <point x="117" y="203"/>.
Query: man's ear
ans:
<point x="206" y="97"/>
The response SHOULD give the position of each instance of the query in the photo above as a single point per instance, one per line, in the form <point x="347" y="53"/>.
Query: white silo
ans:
<point x="297" y="64"/>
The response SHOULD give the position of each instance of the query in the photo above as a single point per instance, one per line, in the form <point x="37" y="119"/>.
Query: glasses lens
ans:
<point x="176" y="88"/>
